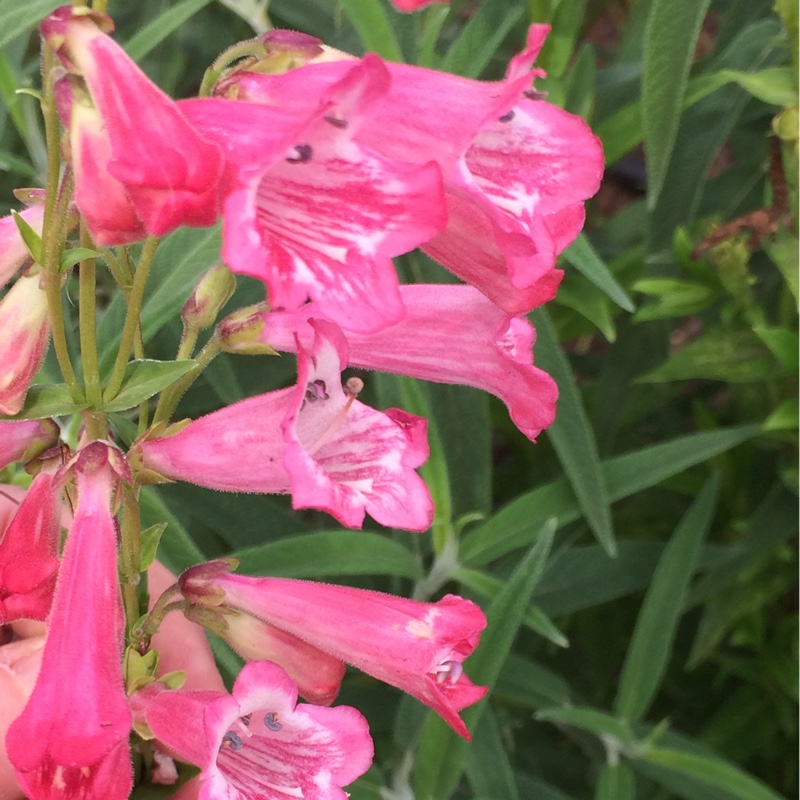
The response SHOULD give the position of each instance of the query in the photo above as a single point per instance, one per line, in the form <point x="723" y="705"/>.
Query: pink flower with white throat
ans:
<point x="313" y="212"/>
<point x="417" y="647"/>
<point x="259" y="743"/>
<point x="451" y="334"/>
<point x="71" y="741"/>
<point x="315" y="440"/>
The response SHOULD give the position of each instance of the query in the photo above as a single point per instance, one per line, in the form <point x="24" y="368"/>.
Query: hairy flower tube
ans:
<point x="22" y="440"/>
<point x="417" y="647"/>
<point x="516" y="169"/>
<point x="29" y="553"/>
<point x="71" y="740"/>
<point x="451" y="334"/>
<point x="313" y="212"/>
<point x="25" y="323"/>
<point x="258" y="743"/>
<point x="315" y="440"/>
<point x="137" y="138"/>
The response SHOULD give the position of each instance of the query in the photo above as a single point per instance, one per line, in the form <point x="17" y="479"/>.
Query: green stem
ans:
<point x="132" y="318"/>
<point x="172" y="395"/>
<point x="87" y="277"/>
<point x="54" y="227"/>
<point x="141" y="636"/>
<point x="130" y="554"/>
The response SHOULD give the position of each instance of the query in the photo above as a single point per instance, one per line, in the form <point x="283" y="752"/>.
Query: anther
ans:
<point x="535" y="94"/>
<point x="301" y="154"/>
<point x="506" y="117"/>
<point x="232" y="740"/>
<point x="451" y="670"/>
<point x="316" y="390"/>
<point x="337" y="122"/>
<point x="271" y="721"/>
<point x="246" y="719"/>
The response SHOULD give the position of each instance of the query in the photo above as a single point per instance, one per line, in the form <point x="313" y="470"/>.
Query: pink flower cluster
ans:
<point x="321" y="175"/>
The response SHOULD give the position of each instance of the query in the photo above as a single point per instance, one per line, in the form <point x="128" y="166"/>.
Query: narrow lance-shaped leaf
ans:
<point x="670" y="38"/>
<point x="572" y="435"/>
<point x="648" y="654"/>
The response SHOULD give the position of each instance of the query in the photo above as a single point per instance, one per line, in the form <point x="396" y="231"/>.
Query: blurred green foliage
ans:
<point x="639" y="563"/>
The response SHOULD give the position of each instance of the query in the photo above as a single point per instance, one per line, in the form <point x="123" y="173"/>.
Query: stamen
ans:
<point x="353" y="386"/>
<point x="232" y="740"/>
<point x="246" y="719"/>
<point x="316" y="390"/>
<point x="336" y="421"/>
<point x="506" y="117"/>
<point x="535" y="94"/>
<point x="449" y="669"/>
<point x="301" y="154"/>
<point x="271" y="721"/>
<point x="337" y="122"/>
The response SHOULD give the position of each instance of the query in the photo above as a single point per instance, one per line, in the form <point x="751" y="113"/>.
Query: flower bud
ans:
<point x="212" y="291"/>
<point x="240" y="332"/>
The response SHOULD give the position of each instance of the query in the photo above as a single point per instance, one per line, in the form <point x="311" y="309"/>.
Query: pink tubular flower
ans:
<point x="25" y="324"/>
<point x="25" y="439"/>
<point x="29" y="554"/>
<point x="451" y="334"/>
<point x="314" y="439"/>
<point x="71" y="741"/>
<point x="413" y="5"/>
<point x="13" y="253"/>
<point x="312" y="212"/>
<point x="259" y="744"/>
<point x="169" y="171"/>
<point x="516" y="169"/>
<point x="417" y="647"/>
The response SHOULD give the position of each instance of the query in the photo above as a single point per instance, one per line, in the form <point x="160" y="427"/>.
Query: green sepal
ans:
<point x="31" y="239"/>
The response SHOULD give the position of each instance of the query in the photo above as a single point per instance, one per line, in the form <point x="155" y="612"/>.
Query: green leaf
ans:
<point x="578" y="294"/>
<point x="594" y="721"/>
<point x="328" y="553"/>
<point x="530" y="685"/>
<point x="47" y="400"/>
<point x="783" y="250"/>
<point x="150" y="540"/>
<point x="488" y="586"/>
<point x="719" y="354"/>
<point x="784" y="417"/>
<point x="160" y="27"/>
<point x="442" y="753"/>
<point x="144" y="378"/>
<point x="372" y="23"/>
<point x="69" y="258"/>
<point x="711" y="771"/>
<point x="177" y="551"/>
<point x="488" y="768"/>
<point x="650" y="648"/>
<point x="517" y="524"/>
<point x="670" y="39"/>
<point x="572" y="435"/>
<point x="616" y="782"/>
<point x="584" y="258"/>
<point x="776" y="86"/>
<point x="32" y="240"/>
<point x="17" y="18"/>
<point x="674" y="298"/>
<point x="783" y="343"/>
<point x="481" y="37"/>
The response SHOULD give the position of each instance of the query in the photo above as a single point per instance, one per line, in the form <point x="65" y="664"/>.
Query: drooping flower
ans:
<point x="29" y="554"/>
<point x="71" y="741"/>
<point x="258" y="743"/>
<point x="13" y="253"/>
<point x="517" y="169"/>
<point x="314" y="440"/>
<point x="169" y="171"/>
<point x="417" y="647"/>
<point x="451" y="334"/>
<point x="25" y="439"/>
<point x="25" y="324"/>
<point x="310" y="210"/>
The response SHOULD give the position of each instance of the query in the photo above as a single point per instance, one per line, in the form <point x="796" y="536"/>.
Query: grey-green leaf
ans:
<point x="584" y="258"/>
<point x="47" y="400"/>
<point x="17" y="17"/>
<point x="670" y="38"/>
<point x="651" y="646"/>
<point x="161" y="26"/>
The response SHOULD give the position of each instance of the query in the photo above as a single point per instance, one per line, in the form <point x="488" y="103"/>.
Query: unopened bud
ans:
<point x="197" y="583"/>
<point x="213" y="290"/>
<point x="241" y="332"/>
